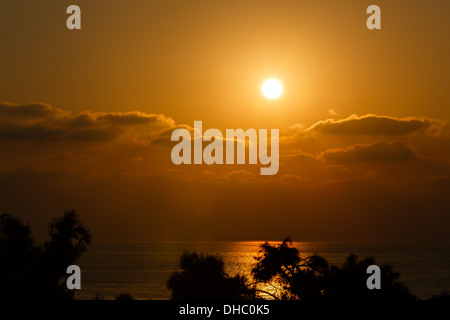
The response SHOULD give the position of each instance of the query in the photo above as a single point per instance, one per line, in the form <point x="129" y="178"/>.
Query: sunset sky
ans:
<point x="86" y="118"/>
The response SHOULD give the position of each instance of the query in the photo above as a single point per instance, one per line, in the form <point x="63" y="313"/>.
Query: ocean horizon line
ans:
<point x="271" y="241"/>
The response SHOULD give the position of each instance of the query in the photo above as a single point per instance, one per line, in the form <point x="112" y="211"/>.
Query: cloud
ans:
<point x="332" y="112"/>
<point x="382" y="151"/>
<point x="135" y="117"/>
<point x="163" y="136"/>
<point x="44" y="132"/>
<point x="293" y="178"/>
<point x="42" y="122"/>
<point x="25" y="111"/>
<point x="301" y="156"/>
<point x="66" y="157"/>
<point x="236" y="176"/>
<point x="371" y="124"/>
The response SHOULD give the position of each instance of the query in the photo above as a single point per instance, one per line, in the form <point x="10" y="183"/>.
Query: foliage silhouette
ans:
<point x="28" y="271"/>
<point x="311" y="278"/>
<point x="349" y="282"/>
<point x="204" y="278"/>
<point x="282" y="273"/>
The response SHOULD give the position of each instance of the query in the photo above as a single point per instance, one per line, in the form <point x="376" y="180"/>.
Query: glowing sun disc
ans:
<point x="272" y="88"/>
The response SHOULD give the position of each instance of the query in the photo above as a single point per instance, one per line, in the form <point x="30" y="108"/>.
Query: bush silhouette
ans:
<point x="349" y="282"/>
<point x="281" y="273"/>
<point x="17" y="257"/>
<point x="28" y="271"/>
<point x="311" y="278"/>
<point x="204" y="277"/>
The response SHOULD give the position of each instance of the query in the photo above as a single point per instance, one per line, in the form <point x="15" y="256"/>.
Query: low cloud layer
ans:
<point x="377" y="125"/>
<point x="375" y="152"/>
<point x="42" y="122"/>
<point x="362" y="177"/>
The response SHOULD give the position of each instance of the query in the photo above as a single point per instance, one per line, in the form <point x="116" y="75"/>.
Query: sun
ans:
<point x="272" y="88"/>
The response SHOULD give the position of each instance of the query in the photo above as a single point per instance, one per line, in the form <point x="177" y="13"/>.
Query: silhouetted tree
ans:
<point x="18" y="257"/>
<point x="291" y="276"/>
<point x="204" y="277"/>
<point x="311" y="278"/>
<point x="39" y="272"/>
<point x="349" y="282"/>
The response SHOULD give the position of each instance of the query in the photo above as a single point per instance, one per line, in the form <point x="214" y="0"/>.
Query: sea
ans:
<point x="142" y="269"/>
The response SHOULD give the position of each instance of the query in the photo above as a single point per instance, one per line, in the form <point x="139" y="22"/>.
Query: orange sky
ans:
<point x="86" y="118"/>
